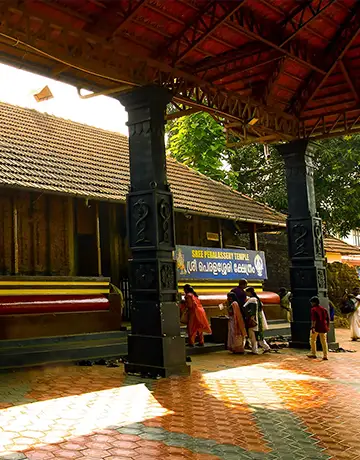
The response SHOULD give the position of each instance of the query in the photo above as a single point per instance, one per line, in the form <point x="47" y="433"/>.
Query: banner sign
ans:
<point x="196" y="263"/>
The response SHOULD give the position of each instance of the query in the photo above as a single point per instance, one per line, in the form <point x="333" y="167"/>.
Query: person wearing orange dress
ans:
<point x="197" y="320"/>
<point x="236" y="326"/>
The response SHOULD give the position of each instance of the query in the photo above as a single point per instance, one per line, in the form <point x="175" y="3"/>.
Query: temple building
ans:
<point x="63" y="213"/>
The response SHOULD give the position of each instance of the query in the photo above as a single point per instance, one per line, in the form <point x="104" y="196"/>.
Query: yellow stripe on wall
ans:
<point x="217" y="283"/>
<point x="54" y="283"/>
<point x="17" y="292"/>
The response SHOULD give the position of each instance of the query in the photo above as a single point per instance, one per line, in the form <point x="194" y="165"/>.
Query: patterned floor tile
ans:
<point x="269" y="407"/>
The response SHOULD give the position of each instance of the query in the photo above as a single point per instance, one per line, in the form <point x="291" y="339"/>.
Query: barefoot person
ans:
<point x="236" y="327"/>
<point x="197" y="320"/>
<point x="320" y="323"/>
<point x="256" y="322"/>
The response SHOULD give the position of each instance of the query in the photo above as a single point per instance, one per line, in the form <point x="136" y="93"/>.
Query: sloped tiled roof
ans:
<point x="43" y="152"/>
<point x="332" y="244"/>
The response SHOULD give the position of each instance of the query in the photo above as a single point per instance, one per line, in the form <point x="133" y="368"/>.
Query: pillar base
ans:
<point x="300" y="336"/>
<point x="154" y="372"/>
<point x="156" y="356"/>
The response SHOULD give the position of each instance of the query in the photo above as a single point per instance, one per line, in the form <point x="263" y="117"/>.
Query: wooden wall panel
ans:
<point x="59" y="243"/>
<point x="184" y="231"/>
<point x="86" y="220"/>
<point x="71" y="235"/>
<point x="115" y="245"/>
<point x="25" y="238"/>
<point x="6" y="234"/>
<point x="40" y="229"/>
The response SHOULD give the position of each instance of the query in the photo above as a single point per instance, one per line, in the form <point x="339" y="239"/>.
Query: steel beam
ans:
<point x="266" y="32"/>
<point x="95" y="56"/>
<point x="197" y="30"/>
<point x="213" y="62"/>
<point x="334" y="52"/>
<point x="303" y="11"/>
<point x="350" y="81"/>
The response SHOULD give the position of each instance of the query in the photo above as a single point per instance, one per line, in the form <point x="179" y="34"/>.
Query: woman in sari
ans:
<point x="236" y="328"/>
<point x="197" y="320"/>
<point x="256" y="321"/>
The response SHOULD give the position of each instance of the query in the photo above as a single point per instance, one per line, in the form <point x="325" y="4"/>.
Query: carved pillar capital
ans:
<point x="146" y="108"/>
<point x="299" y="168"/>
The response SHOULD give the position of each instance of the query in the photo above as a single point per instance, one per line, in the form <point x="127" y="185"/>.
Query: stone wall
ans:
<point x="275" y="247"/>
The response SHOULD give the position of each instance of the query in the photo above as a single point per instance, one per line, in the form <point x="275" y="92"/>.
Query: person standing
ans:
<point x="354" y="317"/>
<point x="236" y="326"/>
<point x="256" y="321"/>
<point x="240" y="293"/>
<point x="320" y="323"/>
<point x="197" y="320"/>
<point x="285" y="303"/>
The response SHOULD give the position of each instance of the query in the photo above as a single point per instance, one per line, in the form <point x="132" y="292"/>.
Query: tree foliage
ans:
<point x="199" y="141"/>
<point x="340" y="277"/>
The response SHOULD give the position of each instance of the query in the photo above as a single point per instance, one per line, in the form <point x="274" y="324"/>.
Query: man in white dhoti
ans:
<point x="354" y="317"/>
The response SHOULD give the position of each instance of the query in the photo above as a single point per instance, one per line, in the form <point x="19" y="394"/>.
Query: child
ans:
<point x="320" y="323"/>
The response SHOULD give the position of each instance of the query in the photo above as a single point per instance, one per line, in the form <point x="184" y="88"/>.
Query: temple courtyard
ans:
<point x="273" y="406"/>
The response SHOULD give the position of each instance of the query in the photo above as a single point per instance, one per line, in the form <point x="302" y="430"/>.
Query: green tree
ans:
<point x="199" y="141"/>
<point x="340" y="277"/>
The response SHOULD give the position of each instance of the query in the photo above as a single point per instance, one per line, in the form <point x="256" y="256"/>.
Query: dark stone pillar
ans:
<point x="306" y="248"/>
<point x="155" y="346"/>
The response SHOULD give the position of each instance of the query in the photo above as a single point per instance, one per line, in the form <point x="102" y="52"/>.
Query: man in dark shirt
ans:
<point x="320" y="323"/>
<point x="240" y="293"/>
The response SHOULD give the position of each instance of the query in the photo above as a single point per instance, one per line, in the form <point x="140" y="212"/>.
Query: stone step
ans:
<point x="54" y="340"/>
<point x="107" y="345"/>
<point x="52" y="350"/>
<point x="207" y="348"/>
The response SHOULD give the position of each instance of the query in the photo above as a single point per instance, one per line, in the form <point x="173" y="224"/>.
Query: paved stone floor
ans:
<point x="277" y="406"/>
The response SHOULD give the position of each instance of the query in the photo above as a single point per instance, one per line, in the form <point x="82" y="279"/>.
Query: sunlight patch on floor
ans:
<point x="61" y="419"/>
